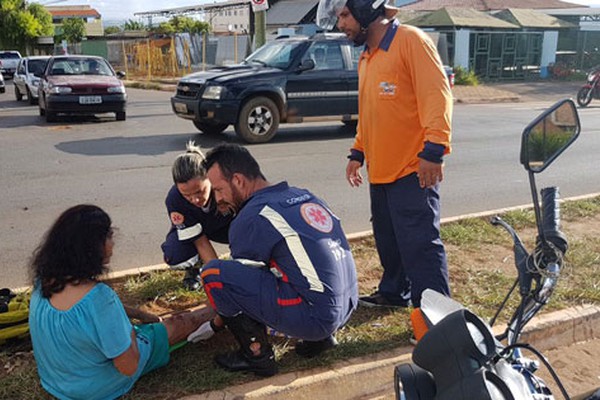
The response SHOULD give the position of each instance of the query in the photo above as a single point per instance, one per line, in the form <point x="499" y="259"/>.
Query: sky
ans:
<point x="123" y="9"/>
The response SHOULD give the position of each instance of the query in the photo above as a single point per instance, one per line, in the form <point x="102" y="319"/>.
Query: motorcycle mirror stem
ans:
<point x="542" y="141"/>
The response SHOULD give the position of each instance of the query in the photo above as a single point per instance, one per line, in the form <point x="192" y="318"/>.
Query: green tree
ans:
<point x="180" y="24"/>
<point x="165" y="28"/>
<point x="73" y="30"/>
<point x="132" y="25"/>
<point x="200" y="27"/>
<point x="187" y="24"/>
<point x="21" y="24"/>
<point x="44" y="19"/>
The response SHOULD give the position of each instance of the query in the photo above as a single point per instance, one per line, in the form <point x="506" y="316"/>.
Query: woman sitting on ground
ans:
<point x="84" y="345"/>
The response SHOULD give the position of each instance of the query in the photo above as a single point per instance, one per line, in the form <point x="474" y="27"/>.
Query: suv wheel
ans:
<point x="18" y="94"/>
<point x="210" y="129"/>
<point x="258" y="120"/>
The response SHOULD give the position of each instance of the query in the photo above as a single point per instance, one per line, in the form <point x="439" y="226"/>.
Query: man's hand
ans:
<point x="353" y="173"/>
<point x="430" y="173"/>
<point x="204" y="332"/>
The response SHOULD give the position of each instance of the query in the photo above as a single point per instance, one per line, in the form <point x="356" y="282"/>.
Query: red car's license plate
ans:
<point x="90" y="99"/>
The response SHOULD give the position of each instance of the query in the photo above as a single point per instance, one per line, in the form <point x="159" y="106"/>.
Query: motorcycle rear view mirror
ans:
<point x="549" y="135"/>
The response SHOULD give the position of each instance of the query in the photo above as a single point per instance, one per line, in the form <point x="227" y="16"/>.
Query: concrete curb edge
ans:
<point x="363" y="234"/>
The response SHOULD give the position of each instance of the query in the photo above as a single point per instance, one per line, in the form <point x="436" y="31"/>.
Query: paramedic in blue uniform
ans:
<point x="291" y="268"/>
<point x="195" y="220"/>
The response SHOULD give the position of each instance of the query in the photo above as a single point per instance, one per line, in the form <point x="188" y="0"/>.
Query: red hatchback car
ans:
<point x="81" y="85"/>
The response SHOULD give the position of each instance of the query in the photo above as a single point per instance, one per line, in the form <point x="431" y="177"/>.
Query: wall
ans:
<point x="461" y="48"/>
<point x="549" y="47"/>
<point x="95" y="48"/>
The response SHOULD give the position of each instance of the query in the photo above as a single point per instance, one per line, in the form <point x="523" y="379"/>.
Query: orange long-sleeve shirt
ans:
<point x="404" y="101"/>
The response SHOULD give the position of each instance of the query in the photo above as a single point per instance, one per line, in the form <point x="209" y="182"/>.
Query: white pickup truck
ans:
<point x="8" y="62"/>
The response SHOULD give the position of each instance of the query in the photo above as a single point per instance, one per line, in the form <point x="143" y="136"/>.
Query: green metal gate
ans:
<point x="505" y="55"/>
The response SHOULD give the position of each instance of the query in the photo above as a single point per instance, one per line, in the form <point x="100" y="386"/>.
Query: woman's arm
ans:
<point x="127" y="363"/>
<point x="206" y="251"/>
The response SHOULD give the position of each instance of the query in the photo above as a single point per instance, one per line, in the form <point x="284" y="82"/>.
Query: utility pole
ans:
<point x="259" y="8"/>
<point x="260" y="19"/>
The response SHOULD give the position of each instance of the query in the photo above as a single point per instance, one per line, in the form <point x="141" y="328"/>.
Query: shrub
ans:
<point x="565" y="72"/>
<point x="465" y="77"/>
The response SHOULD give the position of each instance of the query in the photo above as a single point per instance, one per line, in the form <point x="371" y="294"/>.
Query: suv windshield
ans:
<point x="277" y="54"/>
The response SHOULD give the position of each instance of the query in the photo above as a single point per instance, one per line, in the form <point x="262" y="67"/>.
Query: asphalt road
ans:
<point x="124" y="167"/>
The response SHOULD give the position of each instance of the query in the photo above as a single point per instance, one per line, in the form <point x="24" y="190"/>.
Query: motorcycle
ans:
<point x="458" y="357"/>
<point x="591" y="89"/>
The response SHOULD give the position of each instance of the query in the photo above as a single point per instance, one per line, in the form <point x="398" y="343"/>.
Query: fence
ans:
<point x="177" y="55"/>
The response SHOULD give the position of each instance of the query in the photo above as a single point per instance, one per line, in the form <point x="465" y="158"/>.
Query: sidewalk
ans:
<point x="516" y="92"/>
<point x="485" y="93"/>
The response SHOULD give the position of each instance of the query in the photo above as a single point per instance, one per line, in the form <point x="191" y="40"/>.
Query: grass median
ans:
<point x="482" y="270"/>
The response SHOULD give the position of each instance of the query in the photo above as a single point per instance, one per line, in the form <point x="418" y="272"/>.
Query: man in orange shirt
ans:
<point x="405" y="108"/>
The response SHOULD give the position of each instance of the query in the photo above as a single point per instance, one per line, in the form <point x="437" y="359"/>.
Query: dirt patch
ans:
<point x="577" y="365"/>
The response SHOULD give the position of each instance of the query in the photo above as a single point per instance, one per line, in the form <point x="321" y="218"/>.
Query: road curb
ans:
<point x="362" y="377"/>
<point x="353" y="237"/>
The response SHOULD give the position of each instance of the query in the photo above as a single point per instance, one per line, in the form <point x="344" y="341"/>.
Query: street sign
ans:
<point x="260" y="5"/>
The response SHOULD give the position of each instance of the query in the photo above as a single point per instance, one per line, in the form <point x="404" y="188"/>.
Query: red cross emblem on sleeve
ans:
<point x="317" y="216"/>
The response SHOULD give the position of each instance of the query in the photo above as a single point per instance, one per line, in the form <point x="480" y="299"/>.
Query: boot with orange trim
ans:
<point x="255" y="353"/>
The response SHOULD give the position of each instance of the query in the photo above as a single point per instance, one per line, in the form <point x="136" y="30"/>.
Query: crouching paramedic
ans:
<point x="195" y="220"/>
<point x="291" y="266"/>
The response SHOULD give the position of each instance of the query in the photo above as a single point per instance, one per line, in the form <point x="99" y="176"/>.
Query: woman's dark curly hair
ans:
<point x="72" y="250"/>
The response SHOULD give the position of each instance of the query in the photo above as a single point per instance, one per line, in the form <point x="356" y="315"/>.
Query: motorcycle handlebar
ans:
<point x="551" y="219"/>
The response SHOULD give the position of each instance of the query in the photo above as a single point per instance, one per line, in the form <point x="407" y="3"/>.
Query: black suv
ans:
<point x="286" y="80"/>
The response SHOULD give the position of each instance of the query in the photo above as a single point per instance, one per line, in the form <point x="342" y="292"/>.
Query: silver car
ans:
<point x="2" y="86"/>
<point x="25" y="81"/>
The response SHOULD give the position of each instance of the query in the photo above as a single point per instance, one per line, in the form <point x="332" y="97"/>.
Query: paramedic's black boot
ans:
<point x="255" y="353"/>
<point x="191" y="280"/>
<point x="309" y="349"/>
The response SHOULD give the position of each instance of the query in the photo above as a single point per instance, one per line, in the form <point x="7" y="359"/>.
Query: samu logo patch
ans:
<point x="317" y="216"/>
<point x="177" y="218"/>
<point x="387" y="89"/>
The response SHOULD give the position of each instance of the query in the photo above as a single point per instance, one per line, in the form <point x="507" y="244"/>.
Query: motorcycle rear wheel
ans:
<point x="584" y="97"/>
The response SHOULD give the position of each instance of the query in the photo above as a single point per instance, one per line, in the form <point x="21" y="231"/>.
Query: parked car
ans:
<point x="279" y="82"/>
<point x="8" y="62"/>
<point x="81" y="85"/>
<point x="289" y="79"/>
<point x="2" y="86"/>
<point x="25" y="80"/>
